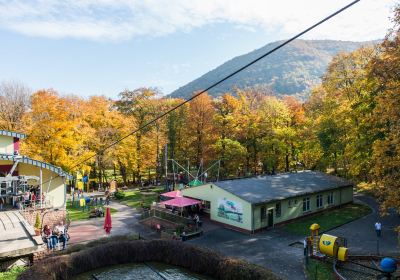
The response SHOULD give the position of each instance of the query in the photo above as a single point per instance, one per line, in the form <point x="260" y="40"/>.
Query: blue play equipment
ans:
<point x="388" y="265"/>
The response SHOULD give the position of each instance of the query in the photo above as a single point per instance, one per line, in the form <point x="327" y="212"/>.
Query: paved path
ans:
<point x="124" y="222"/>
<point x="361" y="236"/>
<point x="269" y="249"/>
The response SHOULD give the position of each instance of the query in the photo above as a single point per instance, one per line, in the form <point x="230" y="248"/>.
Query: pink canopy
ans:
<point x="107" y="221"/>
<point x="173" y="194"/>
<point x="181" y="202"/>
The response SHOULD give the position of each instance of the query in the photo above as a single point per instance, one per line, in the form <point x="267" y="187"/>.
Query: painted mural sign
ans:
<point x="230" y="210"/>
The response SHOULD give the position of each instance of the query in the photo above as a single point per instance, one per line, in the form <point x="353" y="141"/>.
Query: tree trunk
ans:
<point x="139" y="157"/>
<point x="122" y="170"/>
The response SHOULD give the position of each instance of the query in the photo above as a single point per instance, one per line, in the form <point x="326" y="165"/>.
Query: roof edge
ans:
<point x="304" y="194"/>
<point x="13" y="134"/>
<point x="27" y="160"/>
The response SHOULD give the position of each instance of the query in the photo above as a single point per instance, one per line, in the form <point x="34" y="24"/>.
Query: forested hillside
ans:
<point x="292" y="70"/>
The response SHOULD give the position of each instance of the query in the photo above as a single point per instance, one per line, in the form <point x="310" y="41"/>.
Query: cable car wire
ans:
<point x="216" y="83"/>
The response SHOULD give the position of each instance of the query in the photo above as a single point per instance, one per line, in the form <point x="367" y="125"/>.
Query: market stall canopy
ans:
<point x="181" y="202"/>
<point x="173" y="194"/>
<point x="195" y="183"/>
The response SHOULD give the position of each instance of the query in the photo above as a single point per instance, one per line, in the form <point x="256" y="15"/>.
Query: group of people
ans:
<point x="53" y="237"/>
<point x="97" y="212"/>
<point x="27" y="199"/>
<point x="77" y="196"/>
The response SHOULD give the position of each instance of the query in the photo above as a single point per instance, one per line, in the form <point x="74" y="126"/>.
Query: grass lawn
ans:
<point x="76" y="214"/>
<point x="12" y="274"/>
<point x="318" y="270"/>
<point x="329" y="219"/>
<point x="135" y="198"/>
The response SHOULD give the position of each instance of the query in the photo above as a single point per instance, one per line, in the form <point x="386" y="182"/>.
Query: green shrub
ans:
<point x="196" y="259"/>
<point x="13" y="273"/>
<point x="119" y="195"/>
<point x="179" y="229"/>
<point x="37" y="221"/>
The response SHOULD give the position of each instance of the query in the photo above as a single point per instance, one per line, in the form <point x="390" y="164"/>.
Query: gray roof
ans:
<point x="276" y="187"/>
<point x="13" y="134"/>
<point x="27" y="160"/>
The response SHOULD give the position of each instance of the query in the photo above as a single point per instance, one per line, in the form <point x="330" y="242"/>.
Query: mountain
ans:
<point x="292" y="70"/>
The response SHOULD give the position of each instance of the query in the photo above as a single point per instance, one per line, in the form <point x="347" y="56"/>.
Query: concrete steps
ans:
<point x="16" y="235"/>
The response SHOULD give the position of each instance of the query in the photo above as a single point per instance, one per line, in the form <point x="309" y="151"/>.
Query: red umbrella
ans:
<point x="107" y="221"/>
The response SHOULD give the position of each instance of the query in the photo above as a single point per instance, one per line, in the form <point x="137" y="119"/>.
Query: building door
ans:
<point x="270" y="217"/>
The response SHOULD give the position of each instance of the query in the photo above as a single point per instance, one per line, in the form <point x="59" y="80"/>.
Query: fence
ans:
<point x="164" y="215"/>
<point x="26" y="205"/>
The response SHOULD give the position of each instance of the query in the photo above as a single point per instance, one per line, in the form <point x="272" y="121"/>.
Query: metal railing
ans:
<point x="36" y="204"/>
<point x="164" y="214"/>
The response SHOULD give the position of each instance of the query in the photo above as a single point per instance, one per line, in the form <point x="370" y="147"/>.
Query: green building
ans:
<point x="251" y="204"/>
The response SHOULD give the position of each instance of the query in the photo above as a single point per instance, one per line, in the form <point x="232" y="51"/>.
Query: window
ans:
<point x="206" y="206"/>
<point x="263" y="213"/>
<point x="278" y="209"/>
<point x="330" y="198"/>
<point x="306" y="204"/>
<point x="319" y="201"/>
<point x="290" y="203"/>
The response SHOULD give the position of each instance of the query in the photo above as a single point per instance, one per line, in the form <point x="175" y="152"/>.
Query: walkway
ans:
<point x="16" y="235"/>
<point x="124" y="222"/>
<point x="361" y="236"/>
<point x="269" y="249"/>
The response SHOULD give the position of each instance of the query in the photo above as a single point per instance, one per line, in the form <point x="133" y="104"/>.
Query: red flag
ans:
<point x="107" y="221"/>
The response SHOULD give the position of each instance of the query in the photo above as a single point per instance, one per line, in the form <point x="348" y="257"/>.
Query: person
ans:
<point x="61" y="233"/>
<point x="378" y="229"/>
<point x="1" y="203"/>
<point x="33" y="199"/>
<point x="100" y="212"/>
<point x="108" y="199"/>
<point x="305" y="246"/>
<point x="47" y="237"/>
<point x="196" y="220"/>
<point x="26" y="199"/>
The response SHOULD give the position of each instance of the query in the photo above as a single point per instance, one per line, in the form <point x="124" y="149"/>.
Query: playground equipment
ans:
<point x="191" y="180"/>
<point x="327" y="247"/>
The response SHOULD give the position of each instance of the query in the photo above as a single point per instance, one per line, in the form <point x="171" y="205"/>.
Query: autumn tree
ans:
<point x="54" y="129"/>
<point x="199" y="129"/>
<point x="105" y="125"/>
<point x="14" y="103"/>
<point x="386" y="118"/>
<point x="229" y="150"/>
<point x="273" y="140"/>
<point x="139" y="105"/>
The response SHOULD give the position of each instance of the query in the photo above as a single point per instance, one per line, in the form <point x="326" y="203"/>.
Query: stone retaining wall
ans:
<point x="50" y="216"/>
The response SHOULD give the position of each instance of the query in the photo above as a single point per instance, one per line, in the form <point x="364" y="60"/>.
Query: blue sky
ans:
<point x="102" y="47"/>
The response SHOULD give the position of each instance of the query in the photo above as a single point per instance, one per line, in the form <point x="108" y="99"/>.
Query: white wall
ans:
<point x="6" y="145"/>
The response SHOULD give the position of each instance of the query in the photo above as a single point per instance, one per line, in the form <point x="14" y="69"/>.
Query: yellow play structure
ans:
<point x="326" y="245"/>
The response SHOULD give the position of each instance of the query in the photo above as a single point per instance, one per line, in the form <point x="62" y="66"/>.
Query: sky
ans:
<point x="87" y="47"/>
